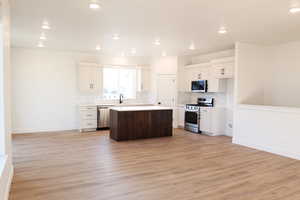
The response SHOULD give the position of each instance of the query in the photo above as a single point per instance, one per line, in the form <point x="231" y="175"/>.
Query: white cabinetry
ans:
<point x="144" y="83"/>
<point x="223" y="68"/>
<point x="89" y="78"/>
<point x="212" y="121"/>
<point x="213" y="71"/>
<point x="215" y="84"/>
<point x="181" y="113"/>
<point x="88" y="118"/>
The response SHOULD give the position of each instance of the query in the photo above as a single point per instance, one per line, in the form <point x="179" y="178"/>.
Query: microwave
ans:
<point x="199" y="86"/>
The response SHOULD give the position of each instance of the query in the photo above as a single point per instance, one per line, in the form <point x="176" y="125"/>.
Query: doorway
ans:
<point x="167" y="93"/>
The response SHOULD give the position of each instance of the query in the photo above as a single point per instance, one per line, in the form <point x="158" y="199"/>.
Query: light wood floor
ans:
<point x="84" y="166"/>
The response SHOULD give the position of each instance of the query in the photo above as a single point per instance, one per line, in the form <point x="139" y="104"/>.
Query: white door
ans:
<point x="166" y="90"/>
<point x="166" y="93"/>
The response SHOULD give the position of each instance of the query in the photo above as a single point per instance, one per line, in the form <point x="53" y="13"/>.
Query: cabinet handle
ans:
<point x="89" y="124"/>
<point x="89" y="115"/>
<point x="223" y="71"/>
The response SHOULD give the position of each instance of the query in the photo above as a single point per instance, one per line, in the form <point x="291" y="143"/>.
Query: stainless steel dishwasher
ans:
<point x="103" y="117"/>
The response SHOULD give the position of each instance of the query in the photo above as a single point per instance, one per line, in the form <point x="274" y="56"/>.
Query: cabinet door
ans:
<point x="224" y="70"/>
<point x="145" y="76"/>
<point x="205" y="120"/>
<point x="143" y="79"/>
<point x="188" y="78"/>
<point x="181" y="114"/>
<point x="90" y="78"/>
<point x="84" y="79"/>
<point x="95" y="79"/>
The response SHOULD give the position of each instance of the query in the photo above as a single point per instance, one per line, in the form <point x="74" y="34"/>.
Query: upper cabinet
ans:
<point x="144" y="81"/>
<point x="223" y="68"/>
<point x="213" y="71"/>
<point x="89" y="78"/>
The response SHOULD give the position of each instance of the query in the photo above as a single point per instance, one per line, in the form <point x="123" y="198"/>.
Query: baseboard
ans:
<point x="276" y="151"/>
<point x="15" y="132"/>
<point x="9" y="182"/>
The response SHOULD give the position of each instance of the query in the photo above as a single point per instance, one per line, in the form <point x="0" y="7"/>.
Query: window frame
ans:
<point x="120" y="67"/>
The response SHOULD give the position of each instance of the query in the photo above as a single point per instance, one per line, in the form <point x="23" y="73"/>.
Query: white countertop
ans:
<point x="117" y="105"/>
<point x="140" y="108"/>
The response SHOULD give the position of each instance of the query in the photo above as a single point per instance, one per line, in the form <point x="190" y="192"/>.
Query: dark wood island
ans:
<point x="139" y="122"/>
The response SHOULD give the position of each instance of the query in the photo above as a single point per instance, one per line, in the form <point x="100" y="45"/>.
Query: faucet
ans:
<point x="121" y="99"/>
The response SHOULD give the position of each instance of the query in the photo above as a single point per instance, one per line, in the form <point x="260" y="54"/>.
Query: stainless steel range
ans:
<point x="192" y="114"/>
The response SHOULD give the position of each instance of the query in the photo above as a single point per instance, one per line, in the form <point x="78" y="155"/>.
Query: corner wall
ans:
<point x="266" y="116"/>
<point x="6" y="167"/>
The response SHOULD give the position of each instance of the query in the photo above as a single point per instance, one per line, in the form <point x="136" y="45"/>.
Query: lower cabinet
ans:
<point x="181" y="113"/>
<point x="88" y="118"/>
<point x="212" y="121"/>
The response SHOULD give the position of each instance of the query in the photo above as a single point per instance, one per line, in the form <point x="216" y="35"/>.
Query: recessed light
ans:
<point x="295" y="10"/>
<point x="192" y="46"/>
<point x="94" y="5"/>
<point x="222" y="30"/>
<point x="133" y="51"/>
<point x="116" y="37"/>
<point x="98" y="47"/>
<point x="46" y="25"/>
<point x="40" y="44"/>
<point x="43" y="36"/>
<point x="157" y="42"/>
<point x="164" y="54"/>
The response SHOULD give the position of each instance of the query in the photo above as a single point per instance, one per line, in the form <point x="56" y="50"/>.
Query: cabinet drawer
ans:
<point x="86" y="124"/>
<point x="88" y="114"/>
<point x="88" y="108"/>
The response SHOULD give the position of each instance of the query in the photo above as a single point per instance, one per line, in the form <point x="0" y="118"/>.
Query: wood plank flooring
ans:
<point x="90" y="166"/>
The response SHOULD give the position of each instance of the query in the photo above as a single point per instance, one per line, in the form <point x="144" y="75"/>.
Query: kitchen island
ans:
<point x="140" y="122"/>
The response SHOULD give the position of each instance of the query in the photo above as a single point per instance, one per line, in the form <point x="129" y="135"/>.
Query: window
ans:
<point x="119" y="80"/>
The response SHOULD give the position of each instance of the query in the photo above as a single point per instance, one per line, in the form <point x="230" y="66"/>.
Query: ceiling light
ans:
<point x="295" y="10"/>
<point x="43" y="37"/>
<point x="192" y="46"/>
<point x="164" y="54"/>
<point x="133" y="51"/>
<point x="46" y="25"/>
<point x="94" y="5"/>
<point x="116" y="37"/>
<point x="40" y="44"/>
<point x="222" y="30"/>
<point x="157" y="42"/>
<point x="98" y="47"/>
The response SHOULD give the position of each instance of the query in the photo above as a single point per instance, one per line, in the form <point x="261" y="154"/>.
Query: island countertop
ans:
<point x="140" y="108"/>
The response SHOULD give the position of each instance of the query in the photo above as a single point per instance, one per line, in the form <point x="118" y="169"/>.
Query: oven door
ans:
<point x="191" y="117"/>
<point x="199" y="86"/>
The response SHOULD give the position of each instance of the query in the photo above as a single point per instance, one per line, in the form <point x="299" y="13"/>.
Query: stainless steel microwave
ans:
<point x="199" y="86"/>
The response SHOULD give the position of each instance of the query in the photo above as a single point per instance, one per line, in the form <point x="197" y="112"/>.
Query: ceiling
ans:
<point x="139" y="22"/>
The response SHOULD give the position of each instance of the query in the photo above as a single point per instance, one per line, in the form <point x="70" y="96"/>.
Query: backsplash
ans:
<point x="141" y="97"/>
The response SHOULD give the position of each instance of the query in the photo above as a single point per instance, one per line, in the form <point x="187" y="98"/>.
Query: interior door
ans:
<point x="166" y="93"/>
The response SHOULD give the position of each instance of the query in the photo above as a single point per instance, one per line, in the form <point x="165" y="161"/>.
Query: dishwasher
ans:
<point x="103" y="117"/>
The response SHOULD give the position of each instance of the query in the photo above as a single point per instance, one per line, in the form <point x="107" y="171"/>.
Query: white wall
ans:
<point x="6" y="167"/>
<point x="251" y="73"/>
<point x="268" y="80"/>
<point x="45" y="92"/>
<point x="283" y="76"/>
<point x="268" y="129"/>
